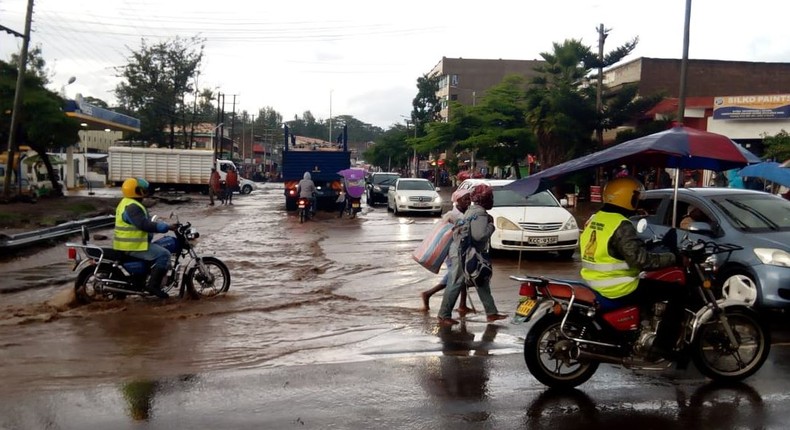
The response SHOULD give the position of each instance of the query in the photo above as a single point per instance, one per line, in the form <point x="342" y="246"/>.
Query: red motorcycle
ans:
<point x="571" y="331"/>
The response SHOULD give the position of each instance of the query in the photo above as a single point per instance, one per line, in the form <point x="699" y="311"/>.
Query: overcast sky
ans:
<point x="365" y="56"/>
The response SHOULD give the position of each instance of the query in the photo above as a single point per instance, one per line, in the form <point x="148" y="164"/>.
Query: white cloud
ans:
<point x="369" y="54"/>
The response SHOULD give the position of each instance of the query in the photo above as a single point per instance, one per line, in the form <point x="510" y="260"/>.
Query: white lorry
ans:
<point x="166" y="169"/>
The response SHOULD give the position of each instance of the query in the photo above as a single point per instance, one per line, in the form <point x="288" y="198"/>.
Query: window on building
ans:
<point x="453" y="97"/>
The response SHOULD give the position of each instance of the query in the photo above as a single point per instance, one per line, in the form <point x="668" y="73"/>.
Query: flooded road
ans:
<point x="330" y="290"/>
<point x="321" y="328"/>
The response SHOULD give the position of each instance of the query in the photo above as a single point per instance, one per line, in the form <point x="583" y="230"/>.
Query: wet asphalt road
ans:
<point x="321" y="329"/>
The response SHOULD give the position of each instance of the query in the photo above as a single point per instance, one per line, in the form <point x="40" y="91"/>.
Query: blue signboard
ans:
<point x="85" y="111"/>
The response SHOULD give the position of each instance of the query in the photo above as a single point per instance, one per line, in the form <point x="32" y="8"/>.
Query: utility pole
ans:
<point x="233" y="127"/>
<point x="602" y="34"/>
<point x="222" y="126"/>
<point x="17" y="106"/>
<point x="217" y="144"/>
<point x="684" y="71"/>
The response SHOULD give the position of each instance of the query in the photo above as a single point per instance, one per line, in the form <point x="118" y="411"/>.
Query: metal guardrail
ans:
<point x="20" y="240"/>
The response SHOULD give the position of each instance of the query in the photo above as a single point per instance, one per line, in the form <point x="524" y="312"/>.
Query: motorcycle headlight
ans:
<point x="503" y="223"/>
<point x="710" y="264"/>
<point x="773" y="256"/>
<point x="192" y="234"/>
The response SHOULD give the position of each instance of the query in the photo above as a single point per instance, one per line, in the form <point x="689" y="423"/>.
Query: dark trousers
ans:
<point x="651" y="291"/>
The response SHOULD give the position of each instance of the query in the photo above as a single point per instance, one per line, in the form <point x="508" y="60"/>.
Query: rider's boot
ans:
<point x="155" y="283"/>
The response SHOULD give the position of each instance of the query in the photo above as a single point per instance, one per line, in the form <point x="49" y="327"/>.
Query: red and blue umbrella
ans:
<point x="679" y="147"/>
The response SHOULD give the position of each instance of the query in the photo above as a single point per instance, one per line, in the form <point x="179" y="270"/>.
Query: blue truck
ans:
<point x="322" y="159"/>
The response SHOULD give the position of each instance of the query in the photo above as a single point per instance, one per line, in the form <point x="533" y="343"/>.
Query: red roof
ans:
<point x="258" y="148"/>
<point x="670" y="105"/>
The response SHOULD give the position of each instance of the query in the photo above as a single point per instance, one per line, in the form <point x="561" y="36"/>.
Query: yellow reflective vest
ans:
<point x="609" y="276"/>
<point x="127" y="237"/>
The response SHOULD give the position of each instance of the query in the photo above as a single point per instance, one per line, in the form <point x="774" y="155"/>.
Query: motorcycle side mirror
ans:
<point x="641" y="225"/>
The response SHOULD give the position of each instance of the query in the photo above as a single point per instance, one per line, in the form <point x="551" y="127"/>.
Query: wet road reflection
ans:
<point x="320" y="317"/>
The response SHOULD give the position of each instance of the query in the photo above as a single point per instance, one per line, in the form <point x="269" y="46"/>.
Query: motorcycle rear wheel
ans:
<point x="88" y="288"/>
<point x="716" y="359"/>
<point x="214" y="281"/>
<point x="547" y="358"/>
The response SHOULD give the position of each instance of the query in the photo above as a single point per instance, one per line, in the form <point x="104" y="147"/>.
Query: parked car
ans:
<point x="414" y="195"/>
<point x="377" y="185"/>
<point x="538" y="223"/>
<point x="245" y="185"/>
<point x="757" y="221"/>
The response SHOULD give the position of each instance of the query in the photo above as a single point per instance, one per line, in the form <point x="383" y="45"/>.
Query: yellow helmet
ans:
<point x="623" y="192"/>
<point x="135" y="188"/>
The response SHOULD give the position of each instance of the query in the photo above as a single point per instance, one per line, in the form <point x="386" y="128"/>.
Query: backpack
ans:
<point x="475" y="266"/>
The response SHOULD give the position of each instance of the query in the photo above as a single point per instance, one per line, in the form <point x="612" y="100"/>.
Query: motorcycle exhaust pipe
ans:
<point x="591" y="356"/>
<point x="120" y="290"/>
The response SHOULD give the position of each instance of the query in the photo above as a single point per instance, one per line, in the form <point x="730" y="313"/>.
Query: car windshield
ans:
<point x="415" y="185"/>
<point x="750" y="212"/>
<point x="504" y="198"/>
<point x="385" y="179"/>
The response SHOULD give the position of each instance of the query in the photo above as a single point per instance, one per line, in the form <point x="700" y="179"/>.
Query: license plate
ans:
<point x="354" y="205"/>
<point x="421" y="205"/>
<point x="526" y="307"/>
<point x="548" y="240"/>
<point x="302" y="205"/>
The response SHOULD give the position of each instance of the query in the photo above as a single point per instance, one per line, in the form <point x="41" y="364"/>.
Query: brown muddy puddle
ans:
<point x="328" y="290"/>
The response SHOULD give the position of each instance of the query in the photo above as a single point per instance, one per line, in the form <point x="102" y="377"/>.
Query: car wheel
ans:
<point x="739" y="286"/>
<point x="246" y="189"/>
<point x="395" y="210"/>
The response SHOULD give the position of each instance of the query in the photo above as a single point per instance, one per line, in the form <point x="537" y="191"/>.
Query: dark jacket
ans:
<point x="626" y="245"/>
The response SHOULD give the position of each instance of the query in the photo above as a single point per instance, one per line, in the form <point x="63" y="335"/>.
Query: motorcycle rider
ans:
<point x="134" y="231"/>
<point x="613" y="255"/>
<point x="308" y="190"/>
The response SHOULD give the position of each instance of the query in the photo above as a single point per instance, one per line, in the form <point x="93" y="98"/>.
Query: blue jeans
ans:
<point x="160" y="257"/>
<point x="454" y="284"/>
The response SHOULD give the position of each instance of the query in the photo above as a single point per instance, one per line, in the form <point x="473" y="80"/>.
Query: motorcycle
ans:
<point x="571" y="332"/>
<point x="304" y="210"/>
<point x="106" y="274"/>
<point x="353" y="206"/>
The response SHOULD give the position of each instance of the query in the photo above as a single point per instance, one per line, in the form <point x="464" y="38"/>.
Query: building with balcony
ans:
<point x="465" y="80"/>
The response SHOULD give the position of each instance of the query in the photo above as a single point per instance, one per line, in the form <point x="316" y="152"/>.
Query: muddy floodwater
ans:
<point x="327" y="291"/>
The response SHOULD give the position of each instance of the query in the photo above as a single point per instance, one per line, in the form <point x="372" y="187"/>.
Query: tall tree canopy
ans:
<point x="156" y="81"/>
<point x="42" y="123"/>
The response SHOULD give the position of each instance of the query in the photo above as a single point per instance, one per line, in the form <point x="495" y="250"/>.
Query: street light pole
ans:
<point x="214" y="133"/>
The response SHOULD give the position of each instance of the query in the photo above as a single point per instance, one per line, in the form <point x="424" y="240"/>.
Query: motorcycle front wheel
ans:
<point x="717" y="359"/>
<point x="211" y="282"/>
<point x="89" y="287"/>
<point x="548" y="353"/>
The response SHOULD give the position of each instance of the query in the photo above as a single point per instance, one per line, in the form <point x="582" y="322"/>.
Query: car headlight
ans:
<point x="377" y="188"/>
<point x="570" y="224"/>
<point x="506" y="224"/>
<point x="437" y="199"/>
<point x="403" y="199"/>
<point x="773" y="256"/>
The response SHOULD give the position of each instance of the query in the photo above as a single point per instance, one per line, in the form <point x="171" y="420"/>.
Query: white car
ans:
<point x="538" y="223"/>
<point x="414" y="195"/>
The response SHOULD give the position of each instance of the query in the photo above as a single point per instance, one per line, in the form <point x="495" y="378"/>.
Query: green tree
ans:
<point x="426" y="105"/>
<point x="42" y="124"/>
<point x="156" y="82"/>
<point x="560" y="110"/>
<point x="777" y="146"/>
<point x="390" y="149"/>
<point x="502" y="137"/>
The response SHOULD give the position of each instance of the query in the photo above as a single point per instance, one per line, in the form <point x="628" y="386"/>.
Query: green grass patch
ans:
<point x="10" y="217"/>
<point x="81" y="208"/>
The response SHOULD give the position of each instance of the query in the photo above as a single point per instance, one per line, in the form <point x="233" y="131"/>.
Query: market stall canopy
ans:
<point x="679" y="147"/>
